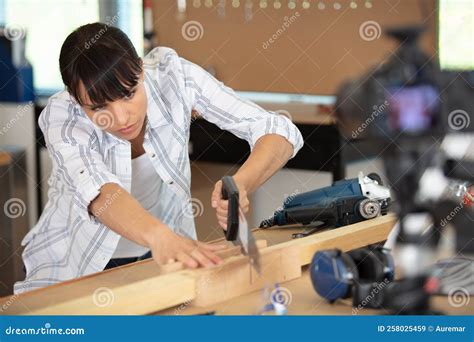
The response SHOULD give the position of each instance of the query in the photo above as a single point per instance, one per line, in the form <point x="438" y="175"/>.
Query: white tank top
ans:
<point x="146" y="185"/>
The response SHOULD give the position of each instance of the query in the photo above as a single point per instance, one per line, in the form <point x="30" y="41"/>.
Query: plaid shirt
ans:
<point x="68" y="242"/>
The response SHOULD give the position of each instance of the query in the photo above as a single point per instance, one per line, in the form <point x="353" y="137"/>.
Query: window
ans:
<point x="49" y="22"/>
<point x="456" y="34"/>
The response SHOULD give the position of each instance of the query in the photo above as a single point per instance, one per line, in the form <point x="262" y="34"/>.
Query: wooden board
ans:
<point x="142" y="287"/>
<point x="304" y="301"/>
<point x="225" y="254"/>
<point x="283" y="261"/>
<point x="5" y="158"/>
<point x="89" y="298"/>
<point x="346" y="238"/>
<point x="237" y="276"/>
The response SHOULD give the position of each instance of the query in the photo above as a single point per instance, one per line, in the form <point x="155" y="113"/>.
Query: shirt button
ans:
<point x="170" y="182"/>
<point x="153" y="155"/>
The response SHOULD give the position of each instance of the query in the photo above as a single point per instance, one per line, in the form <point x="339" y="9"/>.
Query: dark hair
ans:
<point x="103" y="59"/>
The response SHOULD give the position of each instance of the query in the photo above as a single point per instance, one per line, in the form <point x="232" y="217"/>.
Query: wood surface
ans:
<point x="143" y="288"/>
<point x="318" y="50"/>
<point x="104" y="296"/>
<point x="304" y="301"/>
<point x="5" y="158"/>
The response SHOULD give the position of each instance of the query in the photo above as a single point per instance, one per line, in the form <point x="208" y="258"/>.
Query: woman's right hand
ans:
<point x="166" y="246"/>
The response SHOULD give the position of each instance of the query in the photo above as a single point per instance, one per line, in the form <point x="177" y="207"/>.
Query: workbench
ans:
<point x="233" y="288"/>
<point x="305" y="301"/>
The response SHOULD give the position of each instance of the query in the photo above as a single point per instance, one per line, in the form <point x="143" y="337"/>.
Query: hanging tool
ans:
<point x="181" y="13"/>
<point x="248" y="10"/>
<point x="237" y="228"/>
<point x="221" y="9"/>
<point x="181" y="4"/>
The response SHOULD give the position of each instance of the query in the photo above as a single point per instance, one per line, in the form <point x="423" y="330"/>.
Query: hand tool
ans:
<point x="237" y="228"/>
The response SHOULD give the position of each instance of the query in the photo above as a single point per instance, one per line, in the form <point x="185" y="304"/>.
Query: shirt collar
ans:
<point x="154" y="113"/>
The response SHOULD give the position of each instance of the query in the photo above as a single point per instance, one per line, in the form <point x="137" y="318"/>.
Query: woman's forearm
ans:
<point x="122" y="213"/>
<point x="270" y="153"/>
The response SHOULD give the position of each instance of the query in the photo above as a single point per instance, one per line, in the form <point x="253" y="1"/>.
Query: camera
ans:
<point x="406" y="96"/>
<point x="420" y="118"/>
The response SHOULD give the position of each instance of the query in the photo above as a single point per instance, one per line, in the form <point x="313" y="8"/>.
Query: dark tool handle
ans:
<point x="230" y="192"/>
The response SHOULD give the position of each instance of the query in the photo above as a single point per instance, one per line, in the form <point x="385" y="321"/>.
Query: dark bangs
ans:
<point x="103" y="59"/>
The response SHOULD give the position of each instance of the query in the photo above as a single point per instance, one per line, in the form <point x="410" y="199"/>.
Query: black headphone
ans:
<point x="358" y="273"/>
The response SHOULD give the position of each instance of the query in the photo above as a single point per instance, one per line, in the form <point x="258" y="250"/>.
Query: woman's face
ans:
<point x="123" y="118"/>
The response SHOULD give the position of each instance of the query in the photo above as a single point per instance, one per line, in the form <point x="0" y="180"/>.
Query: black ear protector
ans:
<point x="373" y="263"/>
<point x="358" y="273"/>
<point x="376" y="270"/>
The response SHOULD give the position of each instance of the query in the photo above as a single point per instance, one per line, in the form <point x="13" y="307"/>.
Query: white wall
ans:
<point x="17" y="128"/>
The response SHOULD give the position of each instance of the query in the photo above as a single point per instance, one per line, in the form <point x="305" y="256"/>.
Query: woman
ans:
<point x="118" y="139"/>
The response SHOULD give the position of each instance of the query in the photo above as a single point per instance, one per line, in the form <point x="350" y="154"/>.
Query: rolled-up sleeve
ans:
<point x="219" y="104"/>
<point x="70" y="137"/>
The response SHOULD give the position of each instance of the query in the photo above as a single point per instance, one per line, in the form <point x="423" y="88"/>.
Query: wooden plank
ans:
<point x="283" y="261"/>
<point x="89" y="298"/>
<point x="345" y="238"/>
<point x="142" y="287"/>
<point x="237" y="276"/>
<point x="304" y="301"/>
<point x="144" y="282"/>
<point x="231" y="251"/>
<point x="5" y="158"/>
